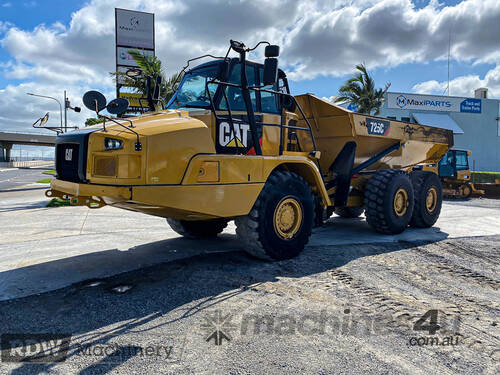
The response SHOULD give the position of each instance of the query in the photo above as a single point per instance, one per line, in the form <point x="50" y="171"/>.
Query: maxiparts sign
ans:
<point x="135" y="29"/>
<point x="433" y="103"/>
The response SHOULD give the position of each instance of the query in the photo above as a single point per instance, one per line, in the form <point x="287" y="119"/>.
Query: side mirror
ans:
<point x="44" y="119"/>
<point x="117" y="106"/>
<point x="222" y="71"/>
<point x="272" y="51"/>
<point x="133" y="73"/>
<point x="270" y="71"/>
<point x="94" y="100"/>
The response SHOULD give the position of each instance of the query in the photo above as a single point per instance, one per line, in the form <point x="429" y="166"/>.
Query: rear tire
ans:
<point x="466" y="191"/>
<point x="428" y="198"/>
<point x="349" y="212"/>
<point x="281" y="220"/>
<point x="389" y="201"/>
<point x="198" y="228"/>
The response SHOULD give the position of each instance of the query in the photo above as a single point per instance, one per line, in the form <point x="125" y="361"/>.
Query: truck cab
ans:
<point x="217" y="104"/>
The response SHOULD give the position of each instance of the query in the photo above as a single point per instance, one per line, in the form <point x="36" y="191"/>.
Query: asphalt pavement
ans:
<point x="11" y="178"/>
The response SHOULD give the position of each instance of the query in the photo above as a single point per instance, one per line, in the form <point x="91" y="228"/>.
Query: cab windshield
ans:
<point x="192" y="90"/>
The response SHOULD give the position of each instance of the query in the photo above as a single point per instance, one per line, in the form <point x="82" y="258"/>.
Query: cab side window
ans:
<point x="269" y="102"/>
<point x="234" y="95"/>
<point x="462" y="162"/>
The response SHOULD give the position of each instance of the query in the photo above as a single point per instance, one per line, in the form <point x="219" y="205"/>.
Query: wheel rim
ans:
<point x="287" y="218"/>
<point x="466" y="190"/>
<point x="431" y="200"/>
<point x="400" y="202"/>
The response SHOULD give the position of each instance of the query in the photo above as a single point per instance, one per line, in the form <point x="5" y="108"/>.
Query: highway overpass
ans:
<point x="7" y="140"/>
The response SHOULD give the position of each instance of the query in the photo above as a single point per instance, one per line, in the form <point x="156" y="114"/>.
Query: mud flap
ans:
<point x="342" y="168"/>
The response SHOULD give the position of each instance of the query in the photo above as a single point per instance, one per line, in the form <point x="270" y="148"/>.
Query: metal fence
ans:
<point x="27" y="164"/>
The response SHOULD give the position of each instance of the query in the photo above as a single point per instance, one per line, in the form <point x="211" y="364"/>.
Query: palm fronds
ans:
<point x="360" y="91"/>
<point x="150" y="66"/>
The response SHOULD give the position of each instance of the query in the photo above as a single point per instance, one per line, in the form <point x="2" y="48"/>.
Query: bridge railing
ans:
<point x="27" y="164"/>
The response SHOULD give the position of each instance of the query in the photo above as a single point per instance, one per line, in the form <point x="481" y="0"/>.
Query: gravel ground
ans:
<point x="343" y="309"/>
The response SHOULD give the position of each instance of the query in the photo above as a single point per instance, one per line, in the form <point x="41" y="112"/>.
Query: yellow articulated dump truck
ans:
<point x="233" y="144"/>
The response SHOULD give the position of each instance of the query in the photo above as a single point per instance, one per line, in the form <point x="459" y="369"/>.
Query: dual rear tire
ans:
<point x="428" y="198"/>
<point x="395" y="200"/>
<point x="349" y="212"/>
<point x="198" y="228"/>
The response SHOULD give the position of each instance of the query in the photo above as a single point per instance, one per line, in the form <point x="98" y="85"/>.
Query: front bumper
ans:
<point x="93" y="196"/>
<point x="186" y="202"/>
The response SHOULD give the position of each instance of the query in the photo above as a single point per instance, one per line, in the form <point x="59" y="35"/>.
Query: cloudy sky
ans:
<point x="47" y="46"/>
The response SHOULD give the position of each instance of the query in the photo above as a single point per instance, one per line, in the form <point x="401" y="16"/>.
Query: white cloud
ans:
<point x="322" y="37"/>
<point x="464" y="85"/>
<point x="392" y="32"/>
<point x="20" y="110"/>
<point x="6" y="5"/>
<point x="4" y="26"/>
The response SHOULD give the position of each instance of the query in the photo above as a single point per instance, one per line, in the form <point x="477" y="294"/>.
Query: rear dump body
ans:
<point x="179" y="174"/>
<point x="334" y="126"/>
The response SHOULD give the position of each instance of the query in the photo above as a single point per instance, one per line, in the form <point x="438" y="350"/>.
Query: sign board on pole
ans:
<point x="498" y="119"/>
<point x="133" y="99"/>
<point x="433" y="103"/>
<point x="133" y="30"/>
<point x="125" y="59"/>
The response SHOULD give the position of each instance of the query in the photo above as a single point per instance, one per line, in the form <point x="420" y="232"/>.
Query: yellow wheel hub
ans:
<point x="400" y="202"/>
<point x="466" y="190"/>
<point x="287" y="218"/>
<point x="431" y="200"/>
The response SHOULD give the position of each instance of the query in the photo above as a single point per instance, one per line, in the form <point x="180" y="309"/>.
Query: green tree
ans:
<point x="360" y="91"/>
<point x="92" y="121"/>
<point x="150" y="66"/>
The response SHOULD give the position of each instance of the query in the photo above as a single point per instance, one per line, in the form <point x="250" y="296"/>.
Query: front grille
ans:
<point x="67" y="155"/>
<point x="71" y="155"/>
<point x="105" y="166"/>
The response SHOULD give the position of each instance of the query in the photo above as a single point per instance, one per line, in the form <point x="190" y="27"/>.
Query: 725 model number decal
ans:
<point x="377" y="126"/>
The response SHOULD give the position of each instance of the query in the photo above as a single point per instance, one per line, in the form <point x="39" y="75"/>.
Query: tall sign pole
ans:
<point x="133" y="31"/>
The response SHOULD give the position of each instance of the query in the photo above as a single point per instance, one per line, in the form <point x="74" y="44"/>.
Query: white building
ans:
<point x="475" y="121"/>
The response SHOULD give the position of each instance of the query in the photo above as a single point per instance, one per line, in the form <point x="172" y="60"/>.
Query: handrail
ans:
<point x="308" y="129"/>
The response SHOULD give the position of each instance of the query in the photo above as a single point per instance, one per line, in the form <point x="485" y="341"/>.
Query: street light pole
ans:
<point x="66" y="104"/>
<point x="58" y="102"/>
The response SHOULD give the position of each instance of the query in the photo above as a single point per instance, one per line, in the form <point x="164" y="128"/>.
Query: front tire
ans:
<point x="428" y="198"/>
<point x="281" y="220"/>
<point x="389" y="201"/>
<point x="198" y="228"/>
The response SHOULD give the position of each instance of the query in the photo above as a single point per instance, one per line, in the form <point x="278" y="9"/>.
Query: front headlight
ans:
<point x="112" y="144"/>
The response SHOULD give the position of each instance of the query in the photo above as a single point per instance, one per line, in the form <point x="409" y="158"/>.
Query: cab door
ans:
<point x="235" y="137"/>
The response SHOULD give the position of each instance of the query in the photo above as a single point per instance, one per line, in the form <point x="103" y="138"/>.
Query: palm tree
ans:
<point x="150" y="66"/>
<point x="360" y="91"/>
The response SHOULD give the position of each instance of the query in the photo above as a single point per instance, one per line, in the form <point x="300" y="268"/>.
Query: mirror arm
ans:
<point x="258" y="44"/>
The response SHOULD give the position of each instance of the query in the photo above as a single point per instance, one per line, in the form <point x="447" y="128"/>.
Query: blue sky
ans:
<point x="49" y="46"/>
